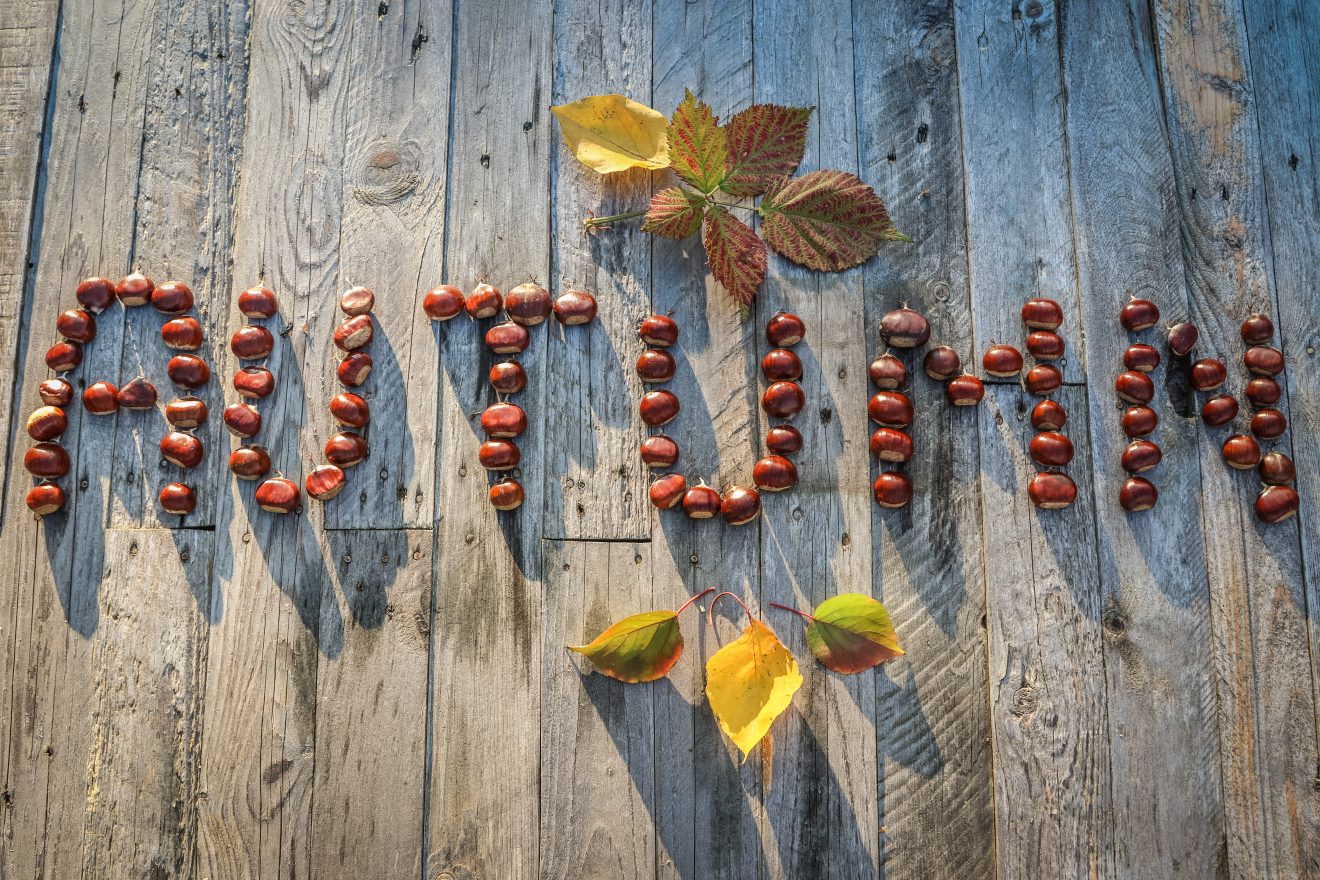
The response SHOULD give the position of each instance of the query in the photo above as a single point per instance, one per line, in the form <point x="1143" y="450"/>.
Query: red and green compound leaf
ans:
<point x="675" y="212"/>
<point x="826" y="220"/>
<point x="766" y="142"/>
<point x="850" y="633"/>
<point x="697" y="144"/>
<point x="736" y="256"/>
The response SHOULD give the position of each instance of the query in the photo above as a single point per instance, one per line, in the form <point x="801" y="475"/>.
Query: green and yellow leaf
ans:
<point x="750" y="682"/>
<point x="826" y="220"/>
<point x="851" y="632"/>
<point x="643" y="647"/>
<point x="675" y="212"/>
<point x="736" y="256"/>
<point x="697" y="144"/>
<point x="609" y="133"/>
<point x="766" y="142"/>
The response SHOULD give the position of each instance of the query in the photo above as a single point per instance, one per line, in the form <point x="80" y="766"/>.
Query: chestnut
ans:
<point x="172" y="298"/>
<point x="893" y="409"/>
<point x="357" y="301"/>
<point x="658" y="408"/>
<point x="785" y="329"/>
<point x="47" y="423"/>
<point x="45" y="498"/>
<point x="659" y="330"/>
<point x="1257" y="330"/>
<point x="1263" y="360"/>
<point x="46" y="460"/>
<point x="55" y="392"/>
<point x="1042" y="313"/>
<point x="1045" y="345"/>
<point x="965" y="390"/>
<point x="783" y="440"/>
<point x="887" y="372"/>
<point x="178" y="499"/>
<point x="354" y="333"/>
<point x="1140" y="456"/>
<point x="1268" y="424"/>
<point x="346" y="449"/>
<point x="1138" y="493"/>
<point x="1141" y="357"/>
<point x="188" y="371"/>
<point x="508" y="338"/>
<point x="781" y="365"/>
<point x="774" y="473"/>
<point x="441" y="303"/>
<point x="667" y="491"/>
<point x="187" y="412"/>
<point x="324" y="482"/>
<point x="892" y="489"/>
<point x="905" y="328"/>
<point x="254" y="383"/>
<point x="1138" y="421"/>
<point x="279" y="495"/>
<point x="659" y="452"/>
<point x="354" y="369"/>
<point x="249" y="462"/>
<point x="783" y="399"/>
<point x="242" y="419"/>
<point x="528" y="304"/>
<point x="184" y="334"/>
<point x="64" y="356"/>
<point x="1051" y="449"/>
<point x="1048" y="415"/>
<point x="1051" y="490"/>
<point x="740" y="505"/>
<point x="507" y="494"/>
<point x="503" y="420"/>
<point x="251" y="342"/>
<point x="508" y="377"/>
<point x="942" y="363"/>
<point x="484" y="301"/>
<point x="137" y="395"/>
<point x="135" y="289"/>
<point x="1263" y="391"/>
<point x="1134" y="387"/>
<point x="95" y="293"/>
<point x="1044" y="378"/>
<point x="1208" y="374"/>
<point x="575" y="307"/>
<point x="1219" y="410"/>
<point x="182" y="449"/>
<point x="702" y="502"/>
<point x="891" y="444"/>
<point x="1241" y="452"/>
<point x="1276" y="503"/>
<point x="1138" y="314"/>
<point x="101" y="398"/>
<point x="656" y="365"/>
<point x="76" y="325"/>
<point x="1276" y="469"/>
<point x="1182" y="338"/>
<point x="499" y="455"/>
<point x="257" y="302"/>
<point x="1002" y="361"/>
<point x="350" y="410"/>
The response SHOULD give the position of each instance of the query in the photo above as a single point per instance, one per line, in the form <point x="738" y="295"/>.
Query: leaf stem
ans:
<point x="710" y="612"/>
<point x="799" y="613"/>
<point x="684" y="606"/>
<point x="594" y="222"/>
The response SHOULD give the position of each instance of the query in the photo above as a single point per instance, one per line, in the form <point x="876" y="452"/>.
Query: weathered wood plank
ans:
<point x="1168" y="807"/>
<point x="486" y="632"/>
<point x="595" y="484"/>
<point x="1267" y="716"/>
<point x="936" y="812"/>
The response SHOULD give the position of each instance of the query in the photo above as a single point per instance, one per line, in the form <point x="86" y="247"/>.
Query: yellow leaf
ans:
<point x="611" y="133"/>
<point x="749" y="683"/>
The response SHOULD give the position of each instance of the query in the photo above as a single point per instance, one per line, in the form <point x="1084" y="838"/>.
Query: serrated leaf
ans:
<point x="737" y="258"/>
<point x="609" y="133"/>
<point x="766" y="142"/>
<point x="643" y="647"/>
<point x="674" y="213"/>
<point x="851" y="632"/>
<point x="749" y="683"/>
<point x="826" y="220"/>
<point x="697" y="144"/>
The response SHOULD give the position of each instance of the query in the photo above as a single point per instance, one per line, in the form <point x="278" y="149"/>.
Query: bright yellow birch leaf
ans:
<point x="609" y="133"/>
<point x="749" y="683"/>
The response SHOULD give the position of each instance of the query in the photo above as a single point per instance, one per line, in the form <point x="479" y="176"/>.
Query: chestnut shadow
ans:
<point x="75" y="550"/>
<point x="367" y="562"/>
<point x="905" y="737"/>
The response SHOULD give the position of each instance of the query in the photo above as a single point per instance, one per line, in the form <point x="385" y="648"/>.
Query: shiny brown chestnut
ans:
<point x="187" y="412"/>
<point x="357" y="301"/>
<point x="1257" y="330"/>
<point x="659" y="452"/>
<point x="783" y="400"/>
<point x="656" y="365"/>
<point x="249" y="462"/>
<point x="172" y="298"/>
<point x="1241" y="452"/>
<point x="1219" y="410"/>
<point x="507" y="494"/>
<point x="354" y="333"/>
<point x="484" y="301"/>
<point x="324" y="482"/>
<point x="1138" y="421"/>
<point x="350" y="410"/>
<point x="740" y="505"/>
<point x="137" y="395"/>
<point x="1263" y="360"/>
<point x="242" y="419"/>
<point x="1138" y="314"/>
<point x="1208" y="374"/>
<point x="887" y="372"/>
<point x="1045" y="345"/>
<point x="47" y="423"/>
<point x="183" y="334"/>
<point x="783" y="440"/>
<point x="177" y="498"/>
<point x="44" y="499"/>
<point x="892" y="489"/>
<point x="1141" y="357"/>
<point x="702" y="502"/>
<point x="345" y="449"/>
<point x="1042" y="313"/>
<point x="1051" y="490"/>
<point x="1263" y="391"/>
<point x="891" y="444"/>
<point x="942" y="363"/>
<point x="784" y="330"/>
<point x="528" y="304"/>
<point x="76" y="325"/>
<point x="1140" y="456"/>
<point x="1134" y="387"/>
<point x="64" y="356"/>
<point x="504" y="420"/>
<point x="667" y="491"/>
<point x="1138" y="493"/>
<point x="774" y="473"/>
<point x="1048" y="415"/>
<point x="279" y="495"/>
<point x="508" y="338"/>
<point x="251" y="343"/>
<point x="499" y="455"/>
<point x="893" y="409"/>
<point x="1051" y="449"/>
<point x="1182" y="338"/>
<point x="1269" y="424"/>
<point x="575" y="307"/>
<point x="1276" y="503"/>
<point x="101" y="398"/>
<point x="658" y="407"/>
<point x="55" y="392"/>
<point x="508" y="377"/>
<point x="254" y="383"/>
<point x="781" y="365"/>
<point x="188" y="371"/>
<point x="46" y="460"/>
<point x="905" y="328"/>
<point x="1002" y="361"/>
<point x="964" y="390"/>
<point x="183" y="450"/>
<point x="1276" y="469"/>
<point x="135" y="289"/>
<point x="354" y="369"/>
<point x="1044" y="378"/>
<point x="95" y="293"/>
<point x="659" y="330"/>
<point x="443" y="302"/>
<point x="257" y="302"/>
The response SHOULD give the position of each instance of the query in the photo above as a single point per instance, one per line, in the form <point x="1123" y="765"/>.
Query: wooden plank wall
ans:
<point x="379" y="687"/>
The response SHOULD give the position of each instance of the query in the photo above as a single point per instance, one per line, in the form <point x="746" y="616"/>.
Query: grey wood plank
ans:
<point x="1019" y="241"/>
<point x="487" y="625"/>
<point x="598" y="770"/>
<point x="1051" y="736"/>
<point x="1163" y="729"/>
<point x="936" y="812"/>
<point x="595" y="484"/>
<point x="1267" y="707"/>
